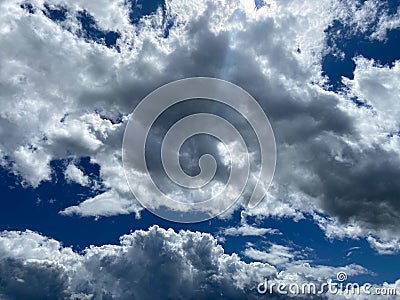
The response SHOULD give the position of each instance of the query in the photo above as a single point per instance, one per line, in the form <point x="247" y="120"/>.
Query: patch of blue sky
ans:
<point x="89" y="30"/>
<point x="336" y="252"/>
<point x="341" y="38"/>
<point x="141" y="8"/>
<point x="259" y="3"/>
<point x="57" y="13"/>
<point x="28" y="7"/>
<point x="306" y="238"/>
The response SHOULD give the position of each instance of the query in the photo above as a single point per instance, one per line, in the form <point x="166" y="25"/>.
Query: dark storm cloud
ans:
<point x="21" y="280"/>
<point x="365" y="187"/>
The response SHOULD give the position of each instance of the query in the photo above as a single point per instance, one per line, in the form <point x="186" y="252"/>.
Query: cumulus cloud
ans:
<point x="149" y="264"/>
<point x="156" y="263"/>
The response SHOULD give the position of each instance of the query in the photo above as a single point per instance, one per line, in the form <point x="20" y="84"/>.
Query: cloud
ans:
<point x="391" y="246"/>
<point x="73" y="173"/>
<point x="276" y="254"/>
<point x="149" y="264"/>
<point x="108" y="203"/>
<point x="385" y="24"/>
<point x="24" y="280"/>
<point x="352" y="250"/>
<point x="248" y="230"/>
<point x="156" y="263"/>
<point x="72" y="97"/>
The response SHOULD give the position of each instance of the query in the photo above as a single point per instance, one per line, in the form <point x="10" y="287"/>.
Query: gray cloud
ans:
<point x="156" y="263"/>
<point x="30" y="279"/>
<point x="147" y="265"/>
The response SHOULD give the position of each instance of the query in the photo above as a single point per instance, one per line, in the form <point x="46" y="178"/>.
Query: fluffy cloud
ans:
<point x="73" y="173"/>
<point x="149" y="264"/>
<point x="157" y="263"/>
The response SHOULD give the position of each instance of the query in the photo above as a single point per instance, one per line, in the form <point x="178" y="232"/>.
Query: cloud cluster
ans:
<point x="152" y="264"/>
<point x="149" y="264"/>
<point x="63" y="95"/>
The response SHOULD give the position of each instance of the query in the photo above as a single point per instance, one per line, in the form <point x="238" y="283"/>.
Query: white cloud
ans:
<point x="391" y="246"/>
<point x="378" y="87"/>
<point x="385" y="24"/>
<point x="276" y="255"/>
<point x="108" y="203"/>
<point x="73" y="173"/>
<point x="322" y="272"/>
<point x="333" y="229"/>
<point x="149" y="264"/>
<point x="382" y="241"/>
<point x="248" y="230"/>
<point x="156" y="263"/>
<point x="33" y="164"/>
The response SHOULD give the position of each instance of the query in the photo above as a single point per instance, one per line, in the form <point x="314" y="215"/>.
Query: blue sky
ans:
<point x="315" y="221"/>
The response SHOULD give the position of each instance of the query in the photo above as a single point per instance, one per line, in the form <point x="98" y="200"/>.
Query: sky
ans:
<point x="326" y="74"/>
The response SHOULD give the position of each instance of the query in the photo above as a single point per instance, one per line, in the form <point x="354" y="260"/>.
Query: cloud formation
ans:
<point x="156" y="263"/>
<point x="71" y="96"/>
